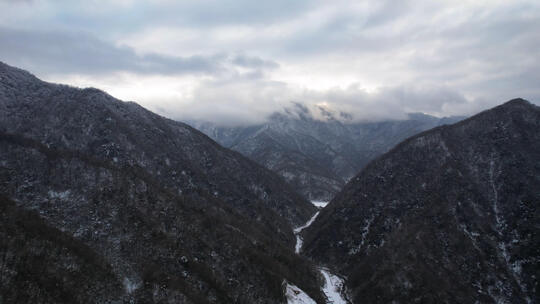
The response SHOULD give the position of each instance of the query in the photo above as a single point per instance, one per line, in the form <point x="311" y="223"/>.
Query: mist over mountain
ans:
<point x="447" y="216"/>
<point x="104" y="200"/>
<point x="317" y="151"/>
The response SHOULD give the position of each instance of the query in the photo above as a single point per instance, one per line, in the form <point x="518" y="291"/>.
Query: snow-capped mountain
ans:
<point x="317" y="157"/>
<point x="447" y="216"/>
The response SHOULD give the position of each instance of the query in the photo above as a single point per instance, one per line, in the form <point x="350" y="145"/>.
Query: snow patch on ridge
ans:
<point x="62" y="195"/>
<point x="365" y="232"/>
<point x="296" y="295"/>
<point x="319" y="204"/>
<point x="130" y="285"/>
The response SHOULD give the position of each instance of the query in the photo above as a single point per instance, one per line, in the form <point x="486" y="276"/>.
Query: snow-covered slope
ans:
<point x="296" y="295"/>
<point x="334" y="287"/>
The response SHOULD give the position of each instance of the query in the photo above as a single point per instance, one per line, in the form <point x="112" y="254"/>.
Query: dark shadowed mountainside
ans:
<point x="124" y="205"/>
<point x="448" y="216"/>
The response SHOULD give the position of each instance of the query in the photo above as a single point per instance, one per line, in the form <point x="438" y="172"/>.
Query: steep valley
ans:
<point x="103" y="201"/>
<point x="317" y="157"/>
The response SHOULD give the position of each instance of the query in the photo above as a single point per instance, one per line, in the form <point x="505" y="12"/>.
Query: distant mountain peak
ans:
<point x="318" y="156"/>
<point x="518" y="100"/>
<point x="518" y="103"/>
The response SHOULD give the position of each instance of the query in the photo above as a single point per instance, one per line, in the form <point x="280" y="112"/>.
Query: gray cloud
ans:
<point x="254" y="62"/>
<point x="222" y="12"/>
<point x="219" y="102"/>
<point x="82" y="53"/>
<point x="133" y="15"/>
<point x="245" y="59"/>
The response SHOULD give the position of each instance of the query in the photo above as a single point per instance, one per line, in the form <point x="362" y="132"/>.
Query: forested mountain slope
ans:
<point x="165" y="213"/>
<point x="448" y="216"/>
<point x="317" y="157"/>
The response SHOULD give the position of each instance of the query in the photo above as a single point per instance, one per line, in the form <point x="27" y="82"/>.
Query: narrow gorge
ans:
<point x="334" y="286"/>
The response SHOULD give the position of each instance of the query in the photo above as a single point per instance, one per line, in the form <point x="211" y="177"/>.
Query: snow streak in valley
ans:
<point x="333" y="285"/>
<point x="297" y="231"/>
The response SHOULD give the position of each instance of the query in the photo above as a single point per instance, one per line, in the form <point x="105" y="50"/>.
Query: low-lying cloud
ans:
<point x="246" y="102"/>
<point x="237" y="62"/>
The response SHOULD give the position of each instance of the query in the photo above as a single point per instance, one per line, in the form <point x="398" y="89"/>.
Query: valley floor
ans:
<point x="333" y="286"/>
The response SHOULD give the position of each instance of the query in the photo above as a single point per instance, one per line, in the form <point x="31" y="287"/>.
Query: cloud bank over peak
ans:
<point x="237" y="62"/>
<point x="243" y="103"/>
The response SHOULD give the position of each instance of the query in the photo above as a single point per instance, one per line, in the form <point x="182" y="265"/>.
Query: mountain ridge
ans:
<point x="317" y="157"/>
<point x="175" y="216"/>
<point x="443" y="211"/>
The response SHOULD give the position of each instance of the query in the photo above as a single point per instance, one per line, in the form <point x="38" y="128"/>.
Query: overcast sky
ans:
<point x="236" y="61"/>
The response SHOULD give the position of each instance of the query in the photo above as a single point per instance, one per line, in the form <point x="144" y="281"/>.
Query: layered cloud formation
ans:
<point x="235" y="62"/>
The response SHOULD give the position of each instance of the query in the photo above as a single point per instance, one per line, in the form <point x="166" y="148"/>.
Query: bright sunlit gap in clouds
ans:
<point x="239" y="61"/>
